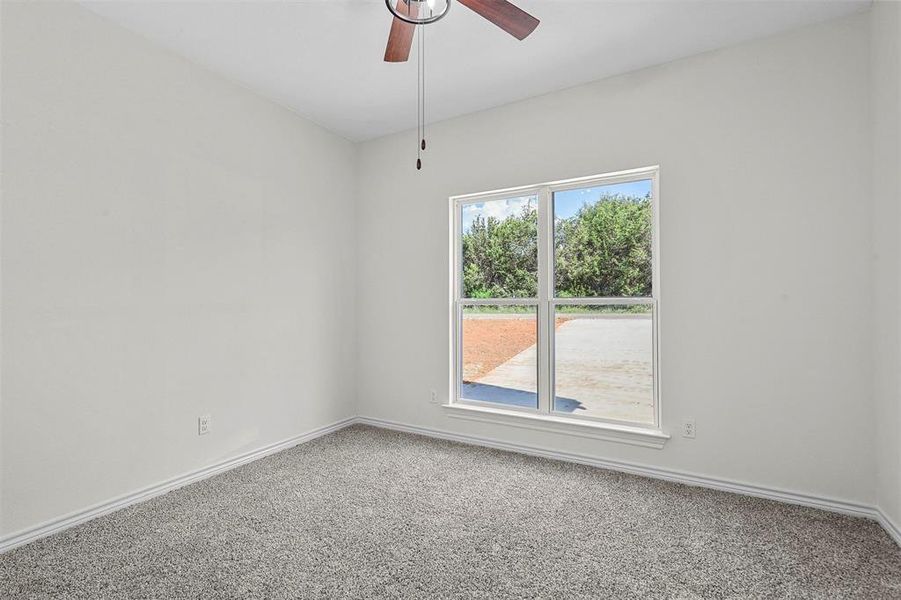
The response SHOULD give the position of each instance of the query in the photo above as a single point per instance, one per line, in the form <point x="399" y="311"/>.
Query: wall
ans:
<point x="172" y="245"/>
<point x="764" y="154"/>
<point x="886" y="128"/>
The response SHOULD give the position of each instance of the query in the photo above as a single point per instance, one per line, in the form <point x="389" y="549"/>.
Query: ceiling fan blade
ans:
<point x="400" y="40"/>
<point x="508" y="17"/>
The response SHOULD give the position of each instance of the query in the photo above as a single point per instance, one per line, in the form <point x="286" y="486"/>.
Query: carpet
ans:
<point x="369" y="513"/>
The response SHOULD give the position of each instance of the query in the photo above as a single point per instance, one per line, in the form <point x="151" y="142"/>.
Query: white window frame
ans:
<point x="544" y="417"/>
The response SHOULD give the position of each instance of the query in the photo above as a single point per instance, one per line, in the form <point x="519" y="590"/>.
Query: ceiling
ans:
<point x="323" y="58"/>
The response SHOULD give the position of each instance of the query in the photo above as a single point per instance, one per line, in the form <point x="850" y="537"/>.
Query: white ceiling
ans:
<point x="323" y="58"/>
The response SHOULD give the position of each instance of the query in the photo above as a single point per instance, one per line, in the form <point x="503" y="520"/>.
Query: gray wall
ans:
<point x="172" y="245"/>
<point x="886" y="121"/>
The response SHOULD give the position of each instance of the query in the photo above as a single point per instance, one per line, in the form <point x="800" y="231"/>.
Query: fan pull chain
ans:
<point x="418" y="96"/>
<point x="422" y="143"/>
<point x="420" y="93"/>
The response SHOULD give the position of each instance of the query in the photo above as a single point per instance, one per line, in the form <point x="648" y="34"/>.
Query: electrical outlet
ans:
<point x="433" y="397"/>
<point x="204" y="422"/>
<point x="688" y="428"/>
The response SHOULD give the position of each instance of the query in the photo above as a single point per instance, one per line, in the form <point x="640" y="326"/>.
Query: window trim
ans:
<point x="578" y="427"/>
<point x="544" y="417"/>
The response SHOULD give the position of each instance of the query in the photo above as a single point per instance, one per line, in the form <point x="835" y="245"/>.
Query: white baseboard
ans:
<point x="52" y="526"/>
<point x="830" y="504"/>
<point x="59" y="524"/>
<point x="890" y="526"/>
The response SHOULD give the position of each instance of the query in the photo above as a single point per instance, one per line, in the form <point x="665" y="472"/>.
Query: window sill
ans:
<point x="648" y="437"/>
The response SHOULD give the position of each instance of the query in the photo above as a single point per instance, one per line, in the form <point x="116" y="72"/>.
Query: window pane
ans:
<point x="602" y="241"/>
<point x="500" y="248"/>
<point x="603" y="362"/>
<point x="500" y="359"/>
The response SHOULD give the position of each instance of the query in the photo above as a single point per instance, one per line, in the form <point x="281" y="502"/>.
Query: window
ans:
<point x="556" y="294"/>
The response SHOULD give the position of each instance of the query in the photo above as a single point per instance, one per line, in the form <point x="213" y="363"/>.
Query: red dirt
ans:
<point x="488" y="343"/>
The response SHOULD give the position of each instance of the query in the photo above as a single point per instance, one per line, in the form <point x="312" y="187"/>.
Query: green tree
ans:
<point x="605" y="249"/>
<point x="500" y="256"/>
<point x="602" y="250"/>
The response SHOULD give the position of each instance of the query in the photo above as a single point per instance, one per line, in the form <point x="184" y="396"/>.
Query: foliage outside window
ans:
<point x="604" y="250"/>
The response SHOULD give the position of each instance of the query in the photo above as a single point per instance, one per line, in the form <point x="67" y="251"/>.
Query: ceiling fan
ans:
<point x="410" y="13"/>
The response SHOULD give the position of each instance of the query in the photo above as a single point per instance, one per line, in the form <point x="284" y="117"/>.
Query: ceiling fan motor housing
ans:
<point x="418" y="12"/>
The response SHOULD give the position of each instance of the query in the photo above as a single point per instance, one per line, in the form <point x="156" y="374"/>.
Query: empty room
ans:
<point x="439" y="299"/>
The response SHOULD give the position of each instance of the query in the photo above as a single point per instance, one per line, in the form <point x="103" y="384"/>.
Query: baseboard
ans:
<point x="56" y="525"/>
<point x="890" y="526"/>
<point x="829" y="504"/>
<point x="52" y="526"/>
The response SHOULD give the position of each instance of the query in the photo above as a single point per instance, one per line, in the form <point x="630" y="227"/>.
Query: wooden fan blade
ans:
<point x="508" y="17"/>
<point x="400" y="40"/>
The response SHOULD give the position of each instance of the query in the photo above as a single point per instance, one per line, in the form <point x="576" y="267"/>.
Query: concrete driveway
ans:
<point x="604" y="368"/>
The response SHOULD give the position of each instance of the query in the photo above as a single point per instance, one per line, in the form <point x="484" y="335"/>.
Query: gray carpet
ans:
<point x="366" y="513"/>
